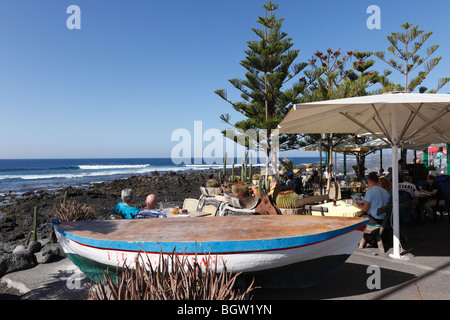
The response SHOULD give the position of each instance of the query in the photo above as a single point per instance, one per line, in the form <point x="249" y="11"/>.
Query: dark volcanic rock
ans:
<point x="170" y="188"/>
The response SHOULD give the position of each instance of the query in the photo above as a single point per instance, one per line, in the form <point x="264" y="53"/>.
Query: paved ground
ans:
<point x="423" y="273"/>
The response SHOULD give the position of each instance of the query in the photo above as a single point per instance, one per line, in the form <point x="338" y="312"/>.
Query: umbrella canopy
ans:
<point x="341" y="147"/>
<point x="381" y="144"/>
<point x="395" y="118"/>
<point x="415" y="117"/>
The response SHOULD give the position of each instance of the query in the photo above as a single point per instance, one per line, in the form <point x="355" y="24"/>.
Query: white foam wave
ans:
<point x="89" y="171"/>
<point x="117" y="166"/>
<point x="73" y="175"/>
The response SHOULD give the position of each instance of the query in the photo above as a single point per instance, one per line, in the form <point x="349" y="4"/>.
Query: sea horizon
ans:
<point x="19" y="176"/>
<point x="27" y="175"/>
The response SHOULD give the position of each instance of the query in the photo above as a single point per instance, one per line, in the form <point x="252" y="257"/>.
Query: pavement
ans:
<point x="423" y="273"/>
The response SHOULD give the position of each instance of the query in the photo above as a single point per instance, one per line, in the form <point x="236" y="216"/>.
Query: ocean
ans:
<point x="28" y="175"/>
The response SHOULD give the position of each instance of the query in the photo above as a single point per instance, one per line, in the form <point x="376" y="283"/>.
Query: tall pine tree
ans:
<point x="331" y="77"/>
<point x="406" y="47"/>
<point x="269" y="65"/>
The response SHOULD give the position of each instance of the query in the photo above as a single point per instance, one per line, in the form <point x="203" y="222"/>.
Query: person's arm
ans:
<point x="431" y="193"/>
<point x="364" y="207"/>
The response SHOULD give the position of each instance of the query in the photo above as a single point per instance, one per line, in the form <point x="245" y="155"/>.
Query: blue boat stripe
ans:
<point x="212" y="246"/>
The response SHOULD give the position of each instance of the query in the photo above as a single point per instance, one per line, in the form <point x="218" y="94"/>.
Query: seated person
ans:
<point x="289" y="181"/>
<point x="420" y="171"/>
<point x="386" y="184"/>
<point x="314" y="178"/>
<point x="389" y="175"/>
<point x="125" y="207"/>
<point x="436" y="196"/>
<point x="151" y="212"/>
<point x="375" y="198"/>
<point x="408" y="186"/>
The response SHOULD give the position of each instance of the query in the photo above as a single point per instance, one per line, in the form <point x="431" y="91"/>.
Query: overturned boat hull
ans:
<point x="301" y="249"/>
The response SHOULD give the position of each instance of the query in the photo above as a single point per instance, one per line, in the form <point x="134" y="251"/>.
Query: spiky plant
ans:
<point x="212" y="183"/>
<point x="174" y="278"/>
<point x="241" y="184"/>
<point x="74" y="211"/>
<point x="286" y="199"/>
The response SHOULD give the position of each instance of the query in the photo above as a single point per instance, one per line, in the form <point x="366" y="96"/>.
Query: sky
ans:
<point x="137" y="71"/>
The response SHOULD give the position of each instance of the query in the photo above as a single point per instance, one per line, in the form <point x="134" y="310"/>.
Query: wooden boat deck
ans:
<point x="228" y="228"/>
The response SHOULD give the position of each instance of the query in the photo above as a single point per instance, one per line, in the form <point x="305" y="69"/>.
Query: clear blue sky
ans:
<point x="139" y="69"/>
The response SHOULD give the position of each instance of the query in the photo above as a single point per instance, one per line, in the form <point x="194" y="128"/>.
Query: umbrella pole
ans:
<point x="448" y="159"/>
<point x="395" y="198"/>
<point x="381" y="159"/>
<point x="345" y="165"/>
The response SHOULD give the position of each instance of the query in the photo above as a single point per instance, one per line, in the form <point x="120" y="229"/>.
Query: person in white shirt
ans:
<point x="409" y="187"/>
<point x="151" y="212"/>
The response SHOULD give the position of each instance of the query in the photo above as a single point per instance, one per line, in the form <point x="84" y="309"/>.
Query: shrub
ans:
<point x="174" y="278"/>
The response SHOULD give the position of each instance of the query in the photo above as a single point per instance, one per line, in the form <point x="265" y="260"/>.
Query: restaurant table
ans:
<point x="423" y="194"/>
<point x="189" y="214"/>
<point x="342" y="209"/>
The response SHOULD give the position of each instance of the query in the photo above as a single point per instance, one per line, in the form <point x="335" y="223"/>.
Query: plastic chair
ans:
<point x="442" y="208"/>
<point x="209" y="209"/>
<point x="310" y="208"/>
<point x="335" y="191"/>
<point x="190" y="204"/>
<point x="376" y="230"/>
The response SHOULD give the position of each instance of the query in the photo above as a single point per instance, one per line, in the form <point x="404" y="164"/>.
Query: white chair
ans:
<point x="190" y="204"/>
<point x="209" y="209"/>
<point x="335" y="191"/>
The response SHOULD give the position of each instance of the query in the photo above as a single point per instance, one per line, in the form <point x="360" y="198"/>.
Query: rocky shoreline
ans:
<point x="16" y="223"/>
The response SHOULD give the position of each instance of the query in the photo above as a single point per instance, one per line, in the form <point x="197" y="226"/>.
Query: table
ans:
<point x="342" y="209"/>
<point x="190" y="214"/>
<point x="423" y="194"/>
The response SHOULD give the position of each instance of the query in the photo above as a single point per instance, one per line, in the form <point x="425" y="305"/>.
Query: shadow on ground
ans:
<point x="349" y="280"/>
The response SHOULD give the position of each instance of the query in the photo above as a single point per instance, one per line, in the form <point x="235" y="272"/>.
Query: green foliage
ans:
<point x="174" y="278"/>
<point x="406" y="46"/>
<point x="287" y="165"/>
<point x="269" y="65"/>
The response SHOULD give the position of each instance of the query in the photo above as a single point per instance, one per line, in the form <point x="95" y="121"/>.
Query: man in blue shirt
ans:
<point x="125" y="207"/>
<point x="375" y="198"/>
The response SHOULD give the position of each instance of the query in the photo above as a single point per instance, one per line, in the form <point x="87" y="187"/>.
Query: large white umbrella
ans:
<point x="382" y="144"/>
<point x="395" y="118"/>
<point x="379" y="144"/>
<point x="341" y="147"/>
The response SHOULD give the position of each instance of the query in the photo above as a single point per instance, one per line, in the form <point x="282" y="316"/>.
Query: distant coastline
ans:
<point x="28" y="175"/>
<point x="18" y="176"/>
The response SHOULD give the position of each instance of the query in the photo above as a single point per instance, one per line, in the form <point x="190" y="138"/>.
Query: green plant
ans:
<point x="212" y="183"/>
<point x="287" y="165"/>
<point x="174" y="278"/>
<point x="241" y="184"/>
<point x="74" y="211"/>
<point x="286" y="199"/>
<point x="270" y="65"/>
<point x="33" y="232"/>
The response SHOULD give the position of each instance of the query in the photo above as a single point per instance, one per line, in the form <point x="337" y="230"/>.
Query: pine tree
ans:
<point x="413" y="40"/>
<point x="330" y="78"/>
<point x="269" y="65"/>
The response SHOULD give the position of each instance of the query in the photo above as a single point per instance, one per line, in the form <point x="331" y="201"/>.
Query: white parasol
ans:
<point x="395" y="118"/>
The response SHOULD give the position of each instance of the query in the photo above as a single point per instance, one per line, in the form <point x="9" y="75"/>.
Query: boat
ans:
<point x="300" y="249"/>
